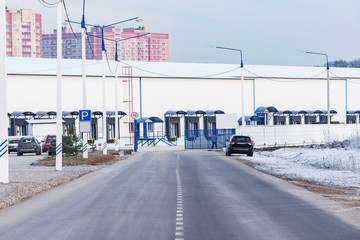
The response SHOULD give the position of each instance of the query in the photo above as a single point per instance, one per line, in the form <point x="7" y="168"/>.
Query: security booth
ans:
<point x="173" y="123"/>
<point x="266" y="115"/>
<point x="111" y="123"/>
<point x="210" y="119"/>
<point x="352" y="117"/>
<point x="282" y="117"/>
<point x="18" y="123"/>
<point x="70" y="121"/>
<point x="297" y="117"/>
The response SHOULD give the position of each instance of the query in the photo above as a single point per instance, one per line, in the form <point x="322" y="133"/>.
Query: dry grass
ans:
<point x="94" y="159"/>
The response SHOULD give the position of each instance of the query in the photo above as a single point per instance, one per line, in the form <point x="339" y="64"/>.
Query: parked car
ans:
<point x="28" y="145"/>
<point x="52" y="147"/>
<point x="46" y="142"/>
<point x="13" y="143"/>
<point x="240" y="144"/>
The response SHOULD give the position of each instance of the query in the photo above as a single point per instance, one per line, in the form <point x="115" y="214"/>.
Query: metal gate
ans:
<point x="207" y="139"/>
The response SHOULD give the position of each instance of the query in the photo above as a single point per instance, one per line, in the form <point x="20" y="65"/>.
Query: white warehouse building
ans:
<point x="280" y="101"/>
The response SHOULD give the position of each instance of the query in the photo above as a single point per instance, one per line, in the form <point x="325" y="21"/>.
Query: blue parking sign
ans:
<point x="85" y="115"/>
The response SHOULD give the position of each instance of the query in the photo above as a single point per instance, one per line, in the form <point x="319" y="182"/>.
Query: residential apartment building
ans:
<point x="153" y="47"/>
<point x="23" y="33"/>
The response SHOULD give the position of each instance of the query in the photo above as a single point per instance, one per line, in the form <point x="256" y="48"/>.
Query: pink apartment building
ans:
<point x="153" y="47"/>
<point x="23" y="33"/>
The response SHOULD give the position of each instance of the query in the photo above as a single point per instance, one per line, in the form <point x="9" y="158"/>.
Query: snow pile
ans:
<point x="321" y="158"/>
<point x="326" y="166"/>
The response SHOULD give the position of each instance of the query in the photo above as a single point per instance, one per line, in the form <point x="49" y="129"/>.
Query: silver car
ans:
<point x="13" y="143"/>
<point x="28" y="145"/>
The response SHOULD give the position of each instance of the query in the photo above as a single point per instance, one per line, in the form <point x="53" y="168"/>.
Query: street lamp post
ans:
<point x="116" y="90"/>
<point x="327" y="87"/>
<point x="243" y="123"/>
<point x="83" y="64"/>
<point x="83" y="24"/>
<point x="117" y="84"/>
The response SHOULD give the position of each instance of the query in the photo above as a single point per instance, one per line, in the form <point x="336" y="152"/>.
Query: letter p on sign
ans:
<point x="85" y="115"/>
<point x="84" y="120"/>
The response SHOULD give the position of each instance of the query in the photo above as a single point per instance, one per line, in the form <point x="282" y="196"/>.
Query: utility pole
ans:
<point x="4" y="122"/>
<point x="59" y="124"/>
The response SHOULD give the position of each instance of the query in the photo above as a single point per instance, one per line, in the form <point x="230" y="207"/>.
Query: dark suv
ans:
<point x="28" y="145"/>
<point x="240" y="144"/>
<point x="46" y="142"/>
<point x="52" y="147"/>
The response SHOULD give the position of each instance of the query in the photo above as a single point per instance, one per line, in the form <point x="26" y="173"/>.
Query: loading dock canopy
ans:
<point x="108" y="113"/>
<point x="288" y="112"/>
<point x="211" y="112"/>
<point x="249" y="119"/>
<point x="67" y="113"/>
<point x="299" y="112"/>
<point x="320" y="112"/>
<point x="283" y="112"/>
<point x="149" y="120"/>
<point x="266" y="109"/>
<point x="191" y="112"/>
<point x="353" y="112"/>
<point x="18" y="114"/>
<point x="42" y="114"/>
<point x="331" y="112"/>
<point x="112" y="113"/>
<point x="171" y="113"/>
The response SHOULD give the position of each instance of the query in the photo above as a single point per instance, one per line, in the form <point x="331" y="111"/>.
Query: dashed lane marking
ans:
<point x="179" y="229"/>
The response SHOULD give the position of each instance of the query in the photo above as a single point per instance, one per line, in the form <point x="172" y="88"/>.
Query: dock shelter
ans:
<point x="173" y="123"/>
<point x="352" y="117"/>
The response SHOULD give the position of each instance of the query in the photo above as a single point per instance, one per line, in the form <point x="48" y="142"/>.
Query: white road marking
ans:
<point x="179" y="229"/>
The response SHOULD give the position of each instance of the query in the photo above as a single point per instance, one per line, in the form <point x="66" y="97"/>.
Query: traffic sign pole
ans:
<point x="85" y="134"/>
<point x="116" y="111"/>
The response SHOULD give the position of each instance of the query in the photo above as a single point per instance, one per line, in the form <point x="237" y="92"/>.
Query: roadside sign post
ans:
<point x="4" y="122"/>
<point x="85" y="128"/>
<point x="134" y="116"/>
<point x="85" y="136"/>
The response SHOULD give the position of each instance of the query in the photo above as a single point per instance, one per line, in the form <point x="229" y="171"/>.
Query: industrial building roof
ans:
<point x="72" y="67"/>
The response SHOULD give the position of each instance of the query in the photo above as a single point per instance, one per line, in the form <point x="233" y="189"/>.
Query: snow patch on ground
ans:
<point x="325" y="166"/>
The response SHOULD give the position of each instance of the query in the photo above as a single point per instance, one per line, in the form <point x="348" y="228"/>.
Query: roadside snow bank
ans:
<point x="325" y="166"/>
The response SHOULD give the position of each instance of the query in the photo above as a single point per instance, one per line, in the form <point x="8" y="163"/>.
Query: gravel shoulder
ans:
<point x="26" y="181"/>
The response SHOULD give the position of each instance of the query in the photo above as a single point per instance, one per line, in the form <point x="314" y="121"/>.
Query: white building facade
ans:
<point x="161" y="87"/>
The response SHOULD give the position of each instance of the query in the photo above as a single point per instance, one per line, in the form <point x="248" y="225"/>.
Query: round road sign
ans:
<point x="134" y="115"/>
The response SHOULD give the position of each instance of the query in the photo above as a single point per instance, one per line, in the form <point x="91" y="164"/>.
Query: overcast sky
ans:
<point x="270" y="32"/>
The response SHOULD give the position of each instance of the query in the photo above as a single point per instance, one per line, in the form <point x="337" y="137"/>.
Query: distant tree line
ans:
<point x="343" y="63"/>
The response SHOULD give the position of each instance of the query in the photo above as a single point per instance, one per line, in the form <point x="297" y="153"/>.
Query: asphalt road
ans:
<point x="173" y="195"/>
